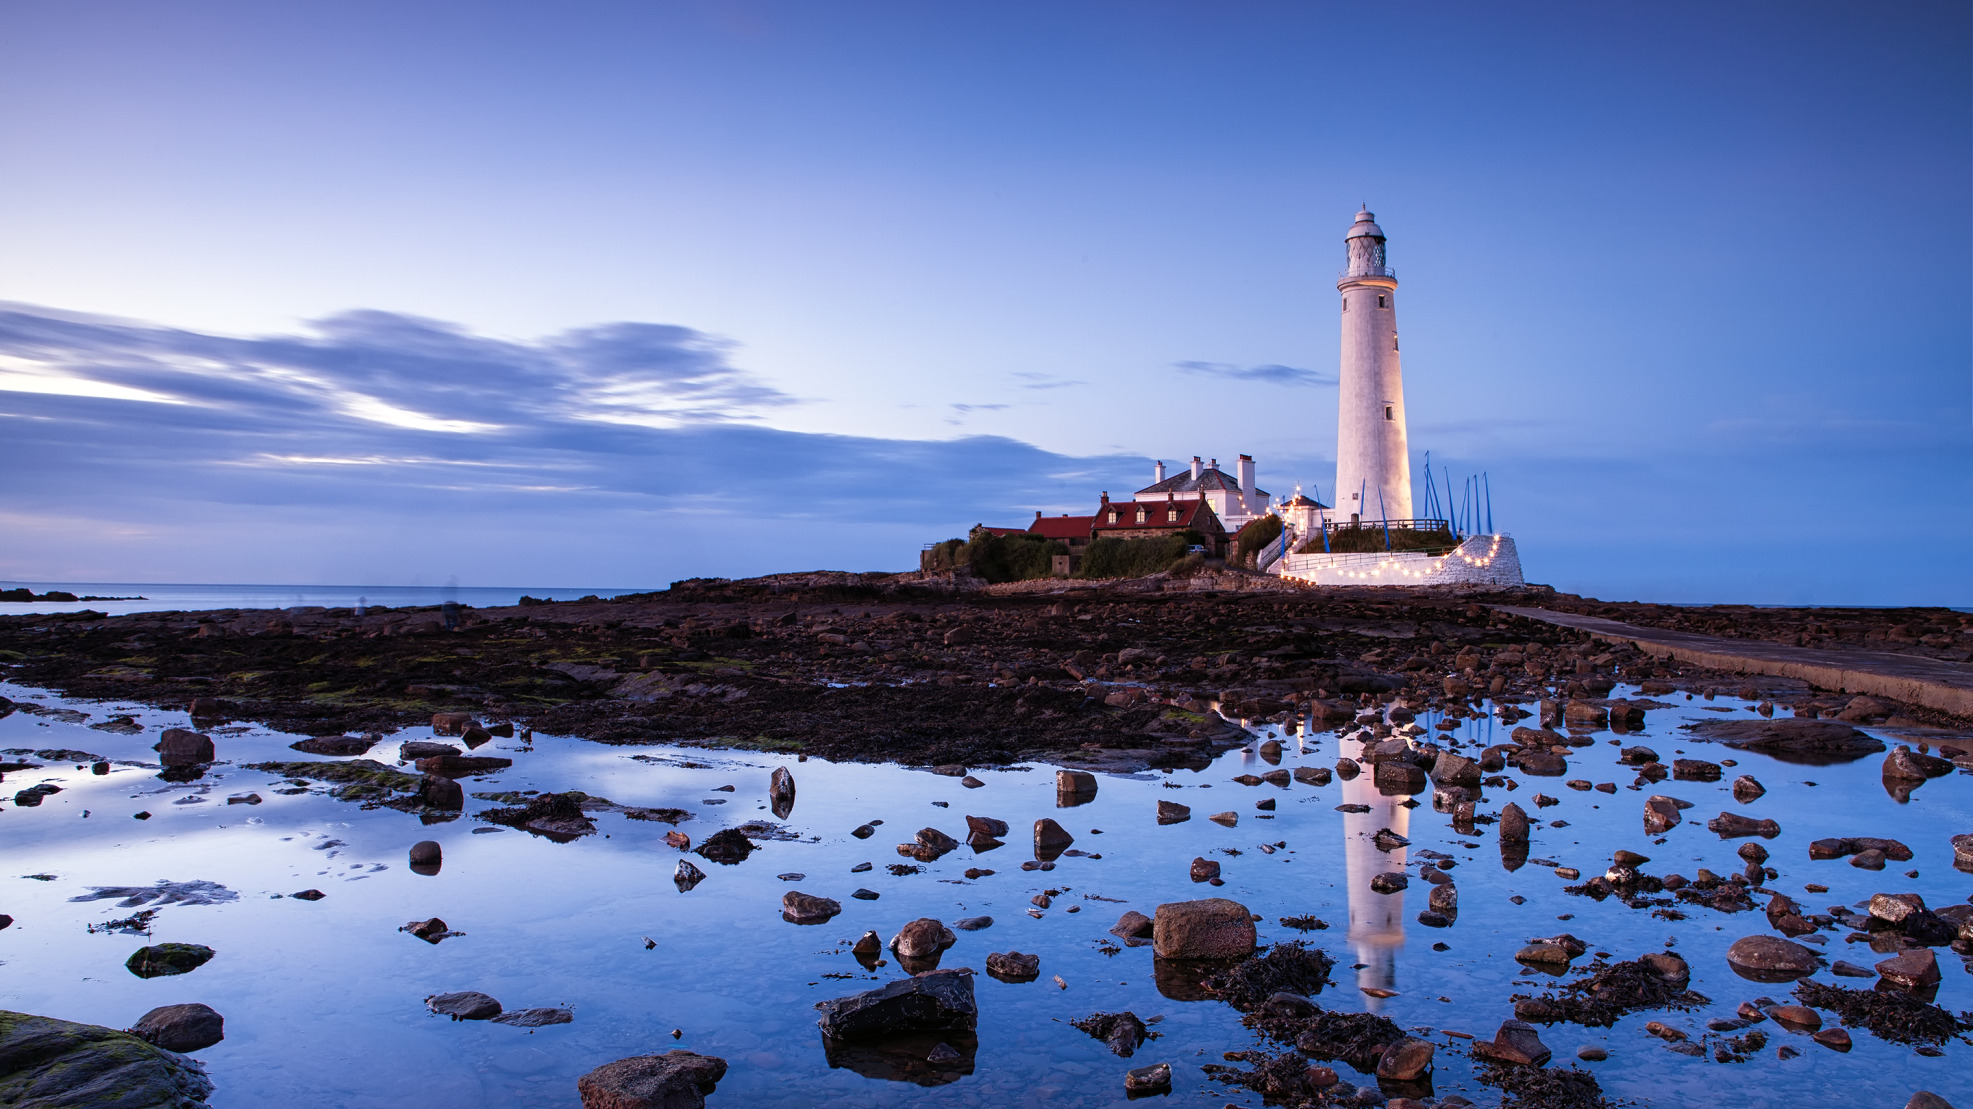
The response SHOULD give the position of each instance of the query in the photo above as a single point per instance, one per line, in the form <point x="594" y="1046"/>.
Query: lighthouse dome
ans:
<point x="1364" y="227"/>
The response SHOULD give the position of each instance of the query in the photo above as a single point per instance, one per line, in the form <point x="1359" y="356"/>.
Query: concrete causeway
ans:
<point x="1915" y="680"/>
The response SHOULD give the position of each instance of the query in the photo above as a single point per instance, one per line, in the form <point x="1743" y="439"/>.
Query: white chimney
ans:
<point x="1158" y="473"/>
<point x="1248" y="493"/>
<point x="1196" y="468"/>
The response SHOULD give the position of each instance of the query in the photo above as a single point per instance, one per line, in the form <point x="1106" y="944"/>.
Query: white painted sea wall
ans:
<point x="1482" y="560"/>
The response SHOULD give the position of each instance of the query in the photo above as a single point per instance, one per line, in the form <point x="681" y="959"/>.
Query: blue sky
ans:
<point x="597" y="294"/>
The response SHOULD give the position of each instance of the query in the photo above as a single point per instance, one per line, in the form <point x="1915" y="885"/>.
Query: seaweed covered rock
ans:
<point x="165" y="959"/>
<point x="1894" y="1015"/>
<point x="1291" y="967"/>
<point x="938" y="1001"/>
<point x="726" y="847"/>
<point x="553" y="815"/>
<point x="1608" y="991"/>
<point x="1358" y="1039"/>
<point x="1561" y="1088"/>
<point x="59" y="1064"/>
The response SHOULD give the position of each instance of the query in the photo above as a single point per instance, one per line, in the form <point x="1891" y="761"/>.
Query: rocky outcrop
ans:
<point x="183" y="747"/>
<point x="57" y="1064"/>
<point x="1797" y="739"/>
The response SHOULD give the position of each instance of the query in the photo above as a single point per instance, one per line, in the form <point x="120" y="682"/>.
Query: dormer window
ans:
<point x="1113" y="515"/>
<point x="1140" y="516"/>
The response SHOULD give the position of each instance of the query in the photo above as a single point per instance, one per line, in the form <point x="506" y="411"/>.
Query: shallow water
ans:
<point x="323" y="1000"/>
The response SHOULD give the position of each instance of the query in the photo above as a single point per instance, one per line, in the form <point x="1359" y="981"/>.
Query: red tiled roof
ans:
<point x="1061" y="527"/>
<point x="1156" y="514"/>
<point x="990" y="530"/>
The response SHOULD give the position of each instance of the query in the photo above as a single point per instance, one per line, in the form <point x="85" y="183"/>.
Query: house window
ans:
<point x="1113" y="516"/>
<point x="1380" y="300"/>
<point x="1140" y="515"/>
<point x="1387" y="412"/>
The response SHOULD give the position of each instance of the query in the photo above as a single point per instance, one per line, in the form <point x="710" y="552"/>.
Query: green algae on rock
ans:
<point x="58" y="1064"/>
<point x="164" y="959"/>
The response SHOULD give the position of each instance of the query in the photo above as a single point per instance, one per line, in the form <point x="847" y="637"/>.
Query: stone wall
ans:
<point x="1482" y="560"/>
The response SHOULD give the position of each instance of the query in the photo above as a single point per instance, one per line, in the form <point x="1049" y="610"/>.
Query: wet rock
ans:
<point x="678" y="839"/>
<point x="1770" y="959"/>
<point x="1517" y="1042"/>
<point x="181" y="1028"/>
<point x="461" y="766"/>
<point x="1852" y="845"/>
<point x="431" y="930"/>
<point x="1075" y="781"/>
<point x="685" y="875"/>
<point x="1962" y="852"/>
<point x="973" y="923"/>
<point x="535" y="1018"/>
<point x="1214" y="928"/>
<point x="1144" y="1081"/>
<point x="1171" y="812"/>
<point x="1407" y="1060"/>
<point x="674" y="1080"/>
<point x="165" y="959"/>
<point x="427" y="853"/>
<point x="1277" y="777"/>
<point x="335" y="745"/>
<point x="863" y="831"/>
<point x="1225" y="819"/>
<point x="984" y="830"/>
<point x="1747" y="789"/>
<point x="1050" y="838"/>
<point x="1637" y="756"/>
<point x="1312" y="775"/>
<point x="1513" y="824"/>
<point x="1012" y="966"/>
<point x="464" y="1005"/>
<point x="1895" y="908"/>
<point x="308" y="895"/>
<point x="1389" y="882"/>
<point x="781" y="792"/>
<point x="1132" y="925"/>
<point x="1904" y="764"/>
<point x="59" y="1064"/>
<point x="865" y="894"/>
<point x="1544" y="954"/>
<point x="922" y="939"/>
<point x="727" y="847"/>
<point x="415" y="749"/>
<point x="1730" y="825"/>
<point x="1122" y="1031"/>
<point x="931" y="844"/>
<point x="1398" y="778"/>
<point x="1797" y="739"/>
<point x="1204" y="870"/>
<point x="1695" y="770"/>
<point x="971" y="782"/>
<point x="937" y="1001"/>
<point x="1834" y="1039"/>
<point x="1912" y="969"/>
<point x="183" y="747"/>
<point x="802" y="908"/>
<point x="1925" y="1099"/>
<point x="1895" y="1015"/>
<point x="1347" y="769"/>
<point x="1626" y="716"/>
<point x="452" y="723"/>
<point x="439" y="792"/>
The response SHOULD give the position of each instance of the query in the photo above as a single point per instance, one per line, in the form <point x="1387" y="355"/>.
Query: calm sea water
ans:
<point x="154" y="597"/>
<point x="323" y="1000"/>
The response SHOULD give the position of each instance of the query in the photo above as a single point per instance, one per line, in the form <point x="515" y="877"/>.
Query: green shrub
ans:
<point x="1018" y="557"/>
<point x="949" y="555"/>
<point x="1254" y="538"/>
<point x="1134" y="558"/>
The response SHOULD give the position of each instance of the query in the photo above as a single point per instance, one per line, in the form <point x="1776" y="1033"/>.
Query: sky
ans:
<point x="610" y="295"/>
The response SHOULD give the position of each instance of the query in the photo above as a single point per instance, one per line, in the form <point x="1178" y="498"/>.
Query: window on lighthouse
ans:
<point x="1388" y="412"/>
<point x="1380" y="301"/>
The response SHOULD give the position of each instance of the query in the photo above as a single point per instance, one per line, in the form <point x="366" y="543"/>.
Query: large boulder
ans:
<point x="1907" y="765"/>
<point x="181" y="1027"/>
<point x="1513" y="823"/>
<point x="1213" y="928"/>
<point x="1455" y="770"/>
<point x="58" y="1064"/>
<point x="183" y="747"/>
<point x="674" y="1080"/>
<point x="938" y="1001"/>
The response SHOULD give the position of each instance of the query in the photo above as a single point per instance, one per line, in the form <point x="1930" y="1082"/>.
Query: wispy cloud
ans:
<point x="1269" y="374"/>
<point x="1030" y="380"/>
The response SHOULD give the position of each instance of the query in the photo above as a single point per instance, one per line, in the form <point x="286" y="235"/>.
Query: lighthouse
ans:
<point x="1373" y="470"/>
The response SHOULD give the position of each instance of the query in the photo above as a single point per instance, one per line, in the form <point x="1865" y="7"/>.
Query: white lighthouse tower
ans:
<point x="1373" y="470"/>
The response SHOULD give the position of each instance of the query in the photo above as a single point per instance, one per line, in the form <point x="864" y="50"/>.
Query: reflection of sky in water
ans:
<point x="322" y="1000"/>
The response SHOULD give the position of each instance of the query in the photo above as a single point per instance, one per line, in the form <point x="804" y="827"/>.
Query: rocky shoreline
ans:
<point x="917" y="669"/>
